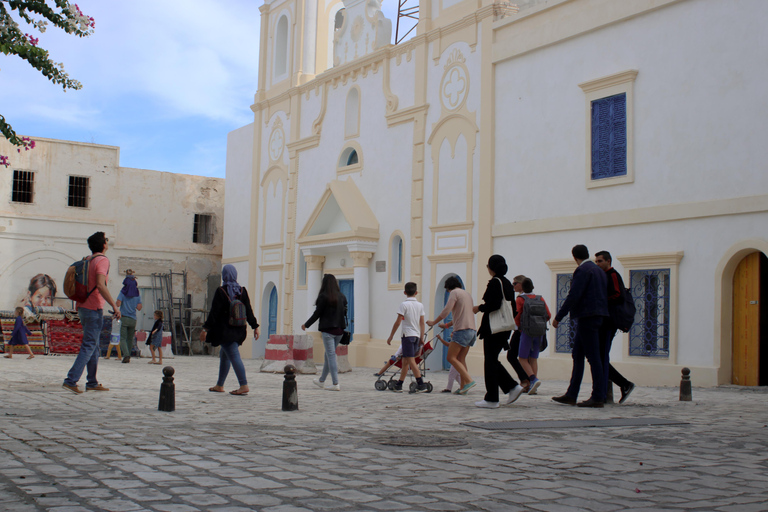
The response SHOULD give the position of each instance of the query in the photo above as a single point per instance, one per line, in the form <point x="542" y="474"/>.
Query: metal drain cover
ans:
<point x="420" y="441"/>
<point x="555" y="424"/>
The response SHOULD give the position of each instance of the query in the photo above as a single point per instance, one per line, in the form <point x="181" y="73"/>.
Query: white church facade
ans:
<point x="633" y="126"/>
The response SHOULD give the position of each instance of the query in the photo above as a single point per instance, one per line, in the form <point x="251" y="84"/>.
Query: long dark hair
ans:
<point x="330" y="288"/>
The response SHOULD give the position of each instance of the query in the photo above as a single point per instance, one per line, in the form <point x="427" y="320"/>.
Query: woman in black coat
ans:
<point x="218" y="330"/>
<point x="496" y="376"/>
<point x="331" y="310"/>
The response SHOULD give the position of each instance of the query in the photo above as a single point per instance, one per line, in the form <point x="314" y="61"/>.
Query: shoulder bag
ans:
<point x="502" y="319"/>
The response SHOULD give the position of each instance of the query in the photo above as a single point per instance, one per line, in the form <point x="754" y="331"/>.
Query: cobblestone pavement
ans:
<point x="114" y="451"/>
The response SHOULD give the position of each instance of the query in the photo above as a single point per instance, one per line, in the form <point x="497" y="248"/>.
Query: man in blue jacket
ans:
<point x="587" y="303"/>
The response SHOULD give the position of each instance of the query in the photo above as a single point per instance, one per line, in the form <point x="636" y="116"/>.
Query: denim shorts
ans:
<point x="464" y="337"/>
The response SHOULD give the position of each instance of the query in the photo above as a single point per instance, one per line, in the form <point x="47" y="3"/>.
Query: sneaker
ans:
<point x="487" y="405"/>
<point x="318" y="383"/>
<point x="73" y="389"/>
<point x="97" y="387"/>
<point x="534" y="386"/>
<point x="625" y="392"/>
<point x="333" y="387"/>
<point x="514" y="394"/>
<point x="126" y="359"/>
<point x="419" y="389"/>
<point x="465" y="389"/>
<point x="398" y="388"/>
<point x="377" y="374"/>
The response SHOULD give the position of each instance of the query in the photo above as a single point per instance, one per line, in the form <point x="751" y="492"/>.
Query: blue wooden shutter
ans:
<point x="609" y="137"/>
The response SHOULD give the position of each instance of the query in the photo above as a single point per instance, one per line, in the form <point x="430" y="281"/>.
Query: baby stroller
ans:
<point x="389" y="378"/>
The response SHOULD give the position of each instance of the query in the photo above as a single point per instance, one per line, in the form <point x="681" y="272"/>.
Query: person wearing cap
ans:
<point x="129" y="302"/>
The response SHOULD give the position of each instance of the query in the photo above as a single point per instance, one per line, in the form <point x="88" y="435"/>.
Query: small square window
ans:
<point x="78" y="191"/>
<point x="23" y="187"/>
<point x="202" y="232"/>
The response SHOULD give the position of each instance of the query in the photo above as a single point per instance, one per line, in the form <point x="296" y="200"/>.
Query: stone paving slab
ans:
<point x="114" y="451"/>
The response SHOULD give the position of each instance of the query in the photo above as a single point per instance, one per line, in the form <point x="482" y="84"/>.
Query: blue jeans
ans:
<point x="330" y="342"/>
<point x="229" y="355"/>
<point x="88" y="357"/>
<point x="586" y="343"/>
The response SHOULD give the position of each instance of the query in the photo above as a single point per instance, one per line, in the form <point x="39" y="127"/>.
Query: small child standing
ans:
<point x="453" y="374"/>
<point x="530" y="343"/>
<point x="19" y="335"/>
<point x="411" y="315"/>
<point x="155" y="338"/>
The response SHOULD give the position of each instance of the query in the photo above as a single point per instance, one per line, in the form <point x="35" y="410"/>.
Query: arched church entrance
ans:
<point x="750" y="321"/>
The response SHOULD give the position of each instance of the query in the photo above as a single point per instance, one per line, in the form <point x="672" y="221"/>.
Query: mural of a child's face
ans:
<point x="41" y="297"/>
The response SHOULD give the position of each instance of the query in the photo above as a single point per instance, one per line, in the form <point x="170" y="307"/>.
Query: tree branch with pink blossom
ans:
<point x="38" y="14"/>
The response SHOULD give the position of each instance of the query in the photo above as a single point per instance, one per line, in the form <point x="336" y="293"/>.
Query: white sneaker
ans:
<point x="514" y="394"/>
<point x="487" y="405"/>
<point x="318" y="383"/>
<point x="333" y="387"/>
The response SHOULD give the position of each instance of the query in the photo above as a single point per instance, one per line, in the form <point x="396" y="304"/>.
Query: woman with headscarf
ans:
<point x="331" y="309"/>
<point x="219" y="331"/>
<point x="129" y="302"/>
<point x="496" y="376"/>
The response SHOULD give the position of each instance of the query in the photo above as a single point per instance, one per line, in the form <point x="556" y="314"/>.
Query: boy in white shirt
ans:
<point x="411" y="315"/>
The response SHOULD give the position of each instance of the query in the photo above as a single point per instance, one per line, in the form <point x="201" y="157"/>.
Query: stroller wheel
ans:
<point x="412" y="387"/>
<point x="380" y="385"/>
<point x="429" y="387"/>
<point x="391" y="385"/>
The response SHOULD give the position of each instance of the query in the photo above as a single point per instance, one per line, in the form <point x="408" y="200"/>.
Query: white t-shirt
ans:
<point x="412" y="311"/>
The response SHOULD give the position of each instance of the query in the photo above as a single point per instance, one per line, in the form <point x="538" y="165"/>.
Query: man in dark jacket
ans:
<point x="587" y="303"/>
<point x="608" y="329"/>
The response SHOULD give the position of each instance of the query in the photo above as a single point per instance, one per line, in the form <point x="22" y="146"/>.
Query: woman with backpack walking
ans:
<point x="531" y="318"/>
<point x="499" y="289"/>
<point x="331" y="309"/>
<point x="225" y="327"/>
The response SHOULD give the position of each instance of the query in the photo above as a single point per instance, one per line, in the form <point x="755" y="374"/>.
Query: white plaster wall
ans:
<point x="239" y="175"/>
<point x="147" y="215"/>
<point x="697" y="277"/>
<point x="402" y="78"/>
<point x="310" y="109"/>
<point x="697" y="112"/>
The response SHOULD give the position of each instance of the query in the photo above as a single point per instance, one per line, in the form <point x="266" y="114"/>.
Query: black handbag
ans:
<point x="346" y="337"/>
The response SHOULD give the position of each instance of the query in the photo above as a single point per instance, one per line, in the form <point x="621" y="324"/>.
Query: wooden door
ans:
<point x="746" y="322"/>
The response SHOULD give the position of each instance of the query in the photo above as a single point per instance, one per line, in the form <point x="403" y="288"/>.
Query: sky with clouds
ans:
<point x="165" y="80"/>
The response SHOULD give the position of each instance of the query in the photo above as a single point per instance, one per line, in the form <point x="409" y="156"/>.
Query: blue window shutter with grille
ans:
<point x="609" y="137"/>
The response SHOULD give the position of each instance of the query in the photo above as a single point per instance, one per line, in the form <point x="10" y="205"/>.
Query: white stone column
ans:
<point x="314" y="281"/>
<point x="362" y="293"/>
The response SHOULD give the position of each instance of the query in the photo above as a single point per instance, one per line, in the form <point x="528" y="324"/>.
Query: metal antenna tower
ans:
<point x="406" y="9"/>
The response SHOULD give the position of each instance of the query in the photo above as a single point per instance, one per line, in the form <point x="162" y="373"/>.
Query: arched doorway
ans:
<point x="750" y="321"/>
<point x="441" y="299"/>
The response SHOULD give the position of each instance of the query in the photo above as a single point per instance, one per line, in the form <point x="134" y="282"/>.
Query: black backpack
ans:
<point x="623" y="314"/>
<point x="533" y="320"/>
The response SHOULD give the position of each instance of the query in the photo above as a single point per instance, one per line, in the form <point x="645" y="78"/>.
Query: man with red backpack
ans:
<point x="90" y="309"/>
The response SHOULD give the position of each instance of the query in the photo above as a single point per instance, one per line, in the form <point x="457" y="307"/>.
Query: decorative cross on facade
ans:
<point x="454" y="88"/>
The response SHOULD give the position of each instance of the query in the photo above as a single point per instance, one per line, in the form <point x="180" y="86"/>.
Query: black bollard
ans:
<point x="686" y="394"/>
<point x="290" y="389"/>
<point x="167" y="391"/>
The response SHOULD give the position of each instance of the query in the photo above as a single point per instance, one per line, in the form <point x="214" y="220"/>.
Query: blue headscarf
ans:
<point x="229" y="278"/>
<point x="130" y="287"/>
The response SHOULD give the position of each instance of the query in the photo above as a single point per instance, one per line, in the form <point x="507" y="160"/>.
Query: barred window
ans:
<point x="566" y="330"/>
<point x="649" y="335"/>
<point x="78" y="191"/>
<point x="202" y="232"/>
<point x="609" y="137"/>
<point x="23" y="187"/>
